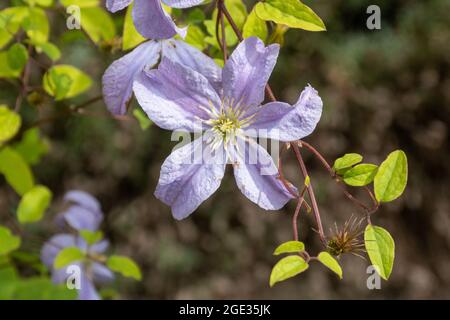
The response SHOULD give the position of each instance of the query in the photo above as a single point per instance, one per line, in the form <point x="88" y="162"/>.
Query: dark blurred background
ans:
<point x="383" y="90"/>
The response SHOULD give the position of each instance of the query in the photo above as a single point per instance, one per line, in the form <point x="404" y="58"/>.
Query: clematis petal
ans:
<point x="181" y="4"/>
<point x="52" y="247"/>
<point x="246" y="73"/>
<point x="83" y="199"/>
<point x="281" y="121"/>
<point x="100" y="246"/>
<point x="116" y="5"/>
<point x="188" y="56"/>
<point x="175" y="97"/>
<point x="87" y="290"/>
<point x="101" y="274"/>
<point x="187" y="178"/>
<point x="81" y="218"/>
<point x="118" y="78"/>
<point x="153" y="22"/>
<point x="257" y="176"/>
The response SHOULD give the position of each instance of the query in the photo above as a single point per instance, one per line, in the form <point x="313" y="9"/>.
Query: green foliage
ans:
<point x="8" y="241"/>
<point x="380" y="247"/>
<point x="49" y="49"/>
<point x="65" y="81"/>
<point x="13" y="61"/>
<point x="286" y="268"/>
<point x="91" y="237"/>
<point x="80" y="3"/>
<point x="239" y="13"/>
<point x="131" y="38"/>
<point x="36" y="25"/>
<point x="98" y="24"/>
<point x="360" y="175"/>
<point x="68" y="255"/>
<point x="331" y="263"/>
<point x="142" y="118"/>
<point x="10" y="123"/>
<point x="32" y="147"/>
<point x="36" y="288"/>
<point x="10" y="21"/>
<point x="291" y="13"/>
<point x="17" y="57"/>
<point x="346" y="162"/>
<point x="42" y="3"/>
<point x="125" y="266"/>
<point x="254" y="26"/>
<point x="392" y="177"/>
<point x="16" y="170"/>
<point x="196" y="37"/>
<point x="33" y="204"/>
<point x="289" y="247"/>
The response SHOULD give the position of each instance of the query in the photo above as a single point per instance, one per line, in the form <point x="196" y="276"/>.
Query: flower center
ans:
<point x="226" y="122"/>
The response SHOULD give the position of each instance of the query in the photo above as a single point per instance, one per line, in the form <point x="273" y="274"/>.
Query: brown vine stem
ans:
<point x="310" y="192"/>
<point x="24" y="81"/>
<point x="220" y="22"/>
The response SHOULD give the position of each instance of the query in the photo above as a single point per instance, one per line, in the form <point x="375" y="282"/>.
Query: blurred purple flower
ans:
<point x="84" y="214"/>
<point x="180" y="97"/>
<point x="118" y="78"/>
<point x="149" y="16"/>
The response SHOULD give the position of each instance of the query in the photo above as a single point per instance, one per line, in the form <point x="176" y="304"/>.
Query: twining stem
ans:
<point x="301" y="200"/>
<point x="310" y="193"/>
<point x="24" y="81"/>
<point x="220" y="22"/>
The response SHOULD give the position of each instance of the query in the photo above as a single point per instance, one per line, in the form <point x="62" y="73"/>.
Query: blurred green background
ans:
<point x="383" y="90"/>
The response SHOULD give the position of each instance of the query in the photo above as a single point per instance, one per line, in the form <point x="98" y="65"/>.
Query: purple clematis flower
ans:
<point x="82" y="215"/>
<point x="118" y="78"/>
<point x="149" y="17"/>
<point x="180" y="97"/>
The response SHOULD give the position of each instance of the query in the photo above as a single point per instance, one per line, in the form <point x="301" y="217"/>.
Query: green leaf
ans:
<point x="380" y="247"/>
<point x="8" y="241"/>
<point x="196" y="16"/>
<point x="65" y="81"/>
<point x="42" y="3"/>
<point x="33" y="204"/>
<point x="125" y="266"/>
<point x="10" y="22"/>
<point x="286" y="268"/>
<point x="10" y="123"/>
<point x="16" y="170"/>
<point x="17" y="57"/>
<point x="36" y="25"/>
<point x="131" y="37"/>
<point x="142" y="118"/>
<point x="49" y="49"/>
<point x="330" y="262"/>
<point x="289" y="247"/>
<point x="360" y="175"/>
<point x="98" y="24"/>
<point x="254" y="26"/>
<point x="32" y="147"/>
<point x="68" y="255"/>
<point x="392" y="177"/>
<point x="347" y="161"/>
<point x="196" y="37"/>
<point x="80" y="3"/>
<point x="291" y="13"/>
<point x="5" y="69"/>
<point x="91" y="237"/>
